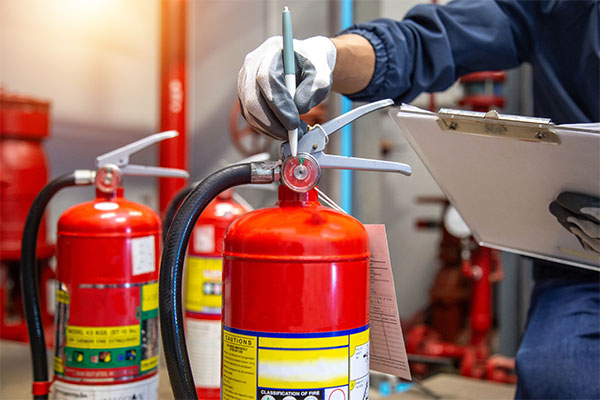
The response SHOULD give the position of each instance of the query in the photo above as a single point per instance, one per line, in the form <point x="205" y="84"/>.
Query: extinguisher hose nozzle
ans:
<point x="29" y="278"/>
<point x="171" y="272"/>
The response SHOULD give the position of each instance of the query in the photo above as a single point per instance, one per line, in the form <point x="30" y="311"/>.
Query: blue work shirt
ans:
<point x="434" y="45"/>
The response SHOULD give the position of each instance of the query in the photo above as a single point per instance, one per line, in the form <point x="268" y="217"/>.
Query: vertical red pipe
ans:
<point x="173" y="94"/>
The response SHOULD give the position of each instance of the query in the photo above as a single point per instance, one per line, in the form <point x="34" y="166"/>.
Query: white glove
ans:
<point x="266" y="103"/>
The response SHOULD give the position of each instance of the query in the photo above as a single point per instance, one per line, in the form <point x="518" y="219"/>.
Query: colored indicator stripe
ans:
<point x="302" y="349"/>
<point x="297" y="335"/>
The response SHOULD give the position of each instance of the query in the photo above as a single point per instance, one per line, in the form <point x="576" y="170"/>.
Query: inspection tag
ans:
<point x="388" y="352"/>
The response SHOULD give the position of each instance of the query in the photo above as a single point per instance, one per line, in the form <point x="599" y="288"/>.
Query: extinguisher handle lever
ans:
<point x="360" y="164"/>
<point x="145" y="170"/>
<point x="315" y="140"/>
<point x="120" y="158"/>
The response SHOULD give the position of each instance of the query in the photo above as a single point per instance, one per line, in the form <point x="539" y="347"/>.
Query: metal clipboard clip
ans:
<point x="492" y="124"/>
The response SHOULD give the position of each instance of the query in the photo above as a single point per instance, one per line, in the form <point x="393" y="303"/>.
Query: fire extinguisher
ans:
<point x="106" y="320"/>
<point x="295" y="281"/>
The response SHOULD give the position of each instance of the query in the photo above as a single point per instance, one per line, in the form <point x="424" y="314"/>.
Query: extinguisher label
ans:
<point x="284" y="366"/>
<point x="203" y="285"/>
<point x="106" y="331"/>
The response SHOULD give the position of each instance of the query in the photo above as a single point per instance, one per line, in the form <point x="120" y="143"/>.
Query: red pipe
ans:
<point x="481" y="317"/>
<point x="173" y="95"/>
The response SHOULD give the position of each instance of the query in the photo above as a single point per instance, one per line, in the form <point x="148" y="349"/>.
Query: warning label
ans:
<point x="103" y="337"/>
<point x="239" y="367"/>
<point x="283" y="366"/>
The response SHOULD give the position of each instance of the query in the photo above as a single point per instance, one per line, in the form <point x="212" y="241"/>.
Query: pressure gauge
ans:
<point x="300" y="173"/>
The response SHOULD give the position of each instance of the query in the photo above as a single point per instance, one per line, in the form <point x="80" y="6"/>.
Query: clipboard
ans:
<point x="501" y="173"/>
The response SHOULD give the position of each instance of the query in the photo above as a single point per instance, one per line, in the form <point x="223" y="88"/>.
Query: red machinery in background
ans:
<point x="459" y="319"/>
<point x="24" y="123"/>
<point x="483" y="90"/>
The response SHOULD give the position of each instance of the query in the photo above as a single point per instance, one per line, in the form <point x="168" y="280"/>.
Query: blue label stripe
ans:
<point x="312" y="348"/>
<point x="296" y="335"/>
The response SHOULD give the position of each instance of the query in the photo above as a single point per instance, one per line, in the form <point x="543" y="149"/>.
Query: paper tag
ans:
<point x="204" y="239"/>
<point x="142" y="255"/>
<point x="388" y="353"/>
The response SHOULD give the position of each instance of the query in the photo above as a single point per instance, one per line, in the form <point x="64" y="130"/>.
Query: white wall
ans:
<point x="96" y="61"/>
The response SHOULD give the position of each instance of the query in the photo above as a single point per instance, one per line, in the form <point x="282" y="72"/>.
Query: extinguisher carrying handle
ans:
<point x="29" y="276"/>
<point x="120" y="158"/>
<point x="172" y="264"/>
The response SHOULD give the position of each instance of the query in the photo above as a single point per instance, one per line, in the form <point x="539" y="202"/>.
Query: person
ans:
<point x="559" y="355"/>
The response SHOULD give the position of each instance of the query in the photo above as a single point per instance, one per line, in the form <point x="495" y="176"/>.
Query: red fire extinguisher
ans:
<point x="106" y="321"/>
<point x="295" y="282"/>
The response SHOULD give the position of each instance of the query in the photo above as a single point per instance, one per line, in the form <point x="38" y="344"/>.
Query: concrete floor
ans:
<point x="15" y="379"/>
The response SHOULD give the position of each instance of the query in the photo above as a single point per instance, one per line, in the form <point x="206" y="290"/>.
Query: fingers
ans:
<point x="586" y="231"/>
<point x="313" y="86"/>
<point x="254" y="106"/>
<point x="272" y="86"/>
<point x="579" y="203"/>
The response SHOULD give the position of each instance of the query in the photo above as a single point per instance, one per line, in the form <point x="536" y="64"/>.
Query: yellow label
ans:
<point x="203" y="284"/>
<point x="58" y="365"/>
<point x="87" y="337"/>
<point x="150" y="363"/>
<point x="150" y="297"/>
<point x="239" y="366"/>
<point x="62" y="296"/>
<point x="327" y="365"/>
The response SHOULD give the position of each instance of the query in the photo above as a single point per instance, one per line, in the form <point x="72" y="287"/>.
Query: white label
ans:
<point x="388" y="353"/>
<point x="204" y="349"/>
<point x="204" y="239"/>
<point x="143" y="258"/>
<point x="146" y="389"/>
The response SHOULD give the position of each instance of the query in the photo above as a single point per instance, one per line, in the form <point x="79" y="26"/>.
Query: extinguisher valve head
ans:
<point x="108" y="178"/>
<point x="301" y="173"/>
<point x="316" y="139"/>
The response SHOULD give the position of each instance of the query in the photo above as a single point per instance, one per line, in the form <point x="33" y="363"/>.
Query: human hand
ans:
<point x="266" y="103"/>
<point x="580" y="215"/>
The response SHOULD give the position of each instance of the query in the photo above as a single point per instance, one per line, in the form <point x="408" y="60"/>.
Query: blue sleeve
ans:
<point x="434" y="45"/>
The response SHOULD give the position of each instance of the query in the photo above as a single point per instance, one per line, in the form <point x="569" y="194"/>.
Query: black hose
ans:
<point x="171" y="273"/>
<point x="29" y="278"/>
<point x="172" y="209"/>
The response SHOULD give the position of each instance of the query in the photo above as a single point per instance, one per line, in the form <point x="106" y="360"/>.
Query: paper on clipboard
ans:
<point x="502" y="172"/>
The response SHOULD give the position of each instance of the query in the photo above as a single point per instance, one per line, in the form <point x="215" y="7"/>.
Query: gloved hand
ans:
<point x="580" y="215"/>
<point x="266" y="103"/>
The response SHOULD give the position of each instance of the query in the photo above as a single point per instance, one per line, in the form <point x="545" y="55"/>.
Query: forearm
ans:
<point x="354" y="65"/>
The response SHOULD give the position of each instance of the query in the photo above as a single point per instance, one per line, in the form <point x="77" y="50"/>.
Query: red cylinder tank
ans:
<point x="295" y="277"/>
<point x="107" y="299"/>
<point x="23" y="173"/>
<point x="203" y="293"/>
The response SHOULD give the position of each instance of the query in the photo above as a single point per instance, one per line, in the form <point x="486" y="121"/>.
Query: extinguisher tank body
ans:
<point x="203" y="293"/>
<point x="295" y="303"/>
<point x="107" y="300"/>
